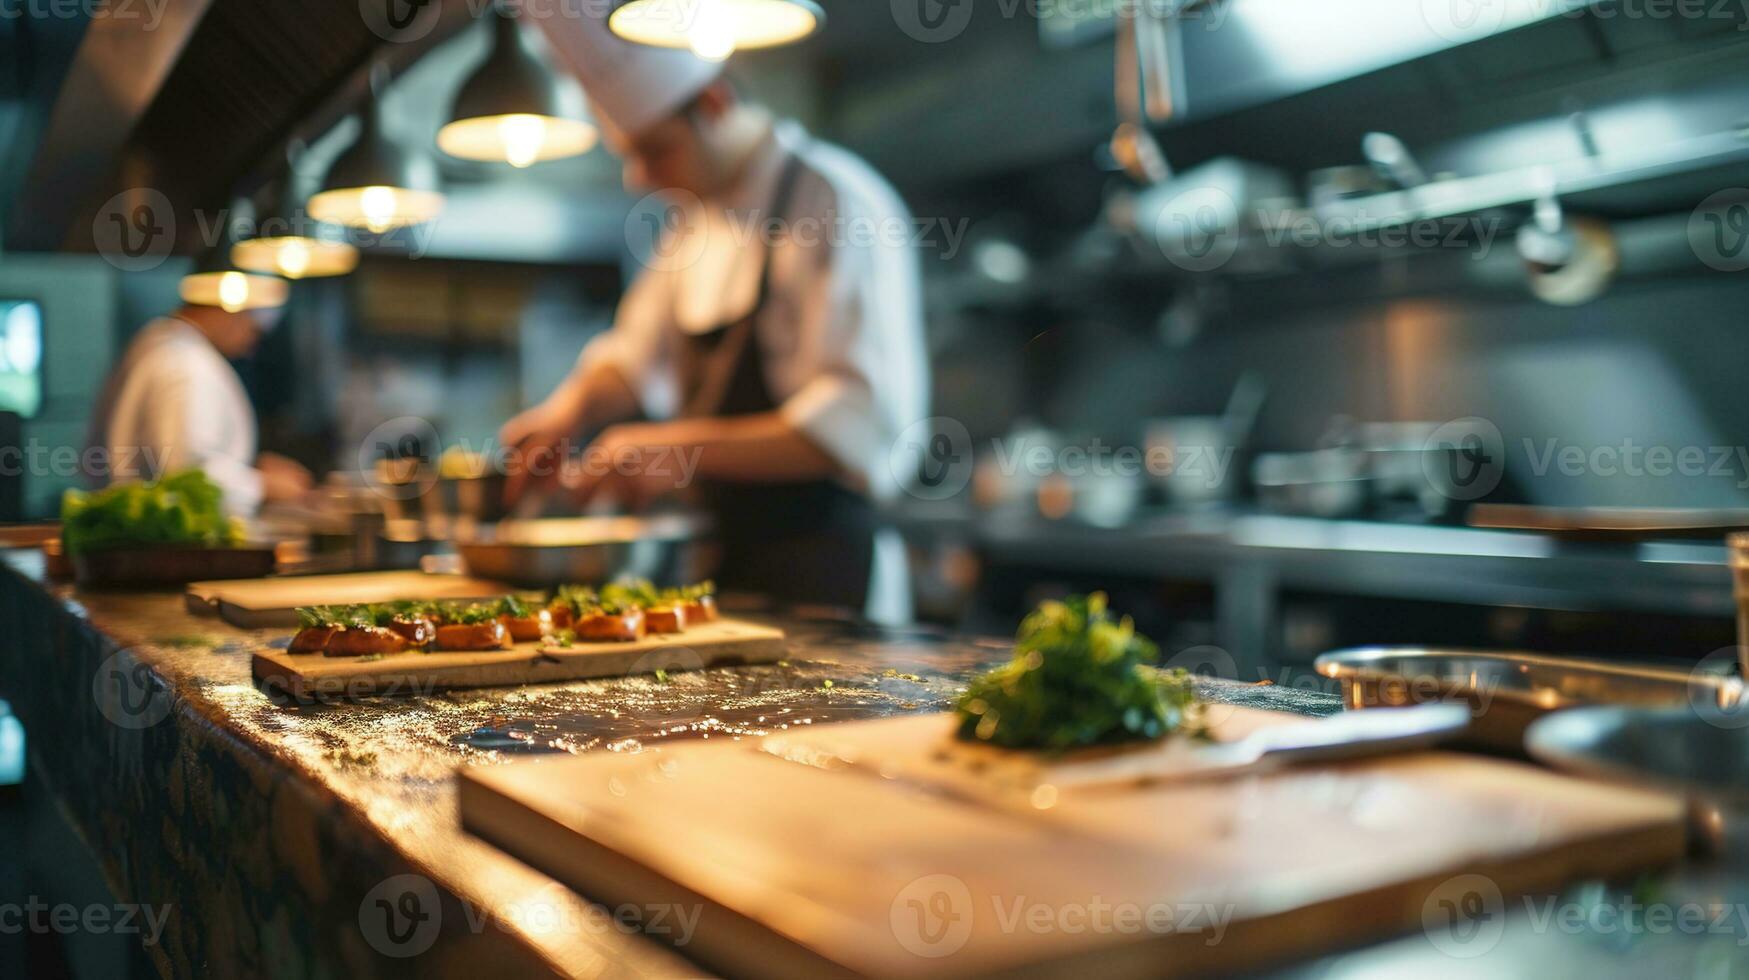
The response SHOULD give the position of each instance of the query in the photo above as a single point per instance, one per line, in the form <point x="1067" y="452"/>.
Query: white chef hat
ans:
<point x="631" y="86"/>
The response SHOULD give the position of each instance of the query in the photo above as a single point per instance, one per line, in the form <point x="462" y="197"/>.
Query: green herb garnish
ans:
<point x="1078" y="678"/>
<point x="471" y="614"/>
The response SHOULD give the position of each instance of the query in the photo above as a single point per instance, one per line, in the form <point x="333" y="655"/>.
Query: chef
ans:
<point x="775" y="332"/>
<point x="174" y="402"/>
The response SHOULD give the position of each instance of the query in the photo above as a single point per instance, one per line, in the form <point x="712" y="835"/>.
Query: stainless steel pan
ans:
<point x="586" y="550"/>
<point x="1507" y="692"/>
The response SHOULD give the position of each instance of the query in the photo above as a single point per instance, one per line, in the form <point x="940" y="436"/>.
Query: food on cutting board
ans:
<point x="663" y="614"/>
<point x="349" y="631"/>
<point x="621" y="612"/>
<point x="524" y="622"/>
<point x="471" y="627"/>
<point x="698" y="602"/>
<point x="1079" y="677"/>
<point x="318" y="626"/>
<point x="365" y="640"/>
<point x="581" y="612"/>
<point x="183" y="509"/>
<point x="415" y="621"/>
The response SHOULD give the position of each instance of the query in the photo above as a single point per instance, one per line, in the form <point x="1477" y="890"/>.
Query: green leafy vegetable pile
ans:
<point x="1078" y="678"/>
<point x="185" y="508"/>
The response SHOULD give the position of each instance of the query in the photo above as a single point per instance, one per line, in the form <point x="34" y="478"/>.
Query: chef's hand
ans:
<point x="632" y="464"/>
<point x="283" y="480"/>
<point x="536" y="437"/>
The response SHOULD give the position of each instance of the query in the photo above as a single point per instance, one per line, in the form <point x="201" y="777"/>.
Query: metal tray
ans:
<point x="1508" y="691"/>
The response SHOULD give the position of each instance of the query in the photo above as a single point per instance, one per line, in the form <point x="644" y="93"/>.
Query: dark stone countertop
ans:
<point x="266" y="825"/>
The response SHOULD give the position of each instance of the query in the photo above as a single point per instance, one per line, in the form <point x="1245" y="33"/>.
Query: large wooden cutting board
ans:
<point x="259" y="603"/>
<point x="797" y="870"/>
<point x="725" y="642"/>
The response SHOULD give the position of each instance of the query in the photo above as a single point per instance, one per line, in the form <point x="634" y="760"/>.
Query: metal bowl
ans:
<point x="1509" y="691"/>
<point x="1701" y="752"/>
<point x="587" y="550"/>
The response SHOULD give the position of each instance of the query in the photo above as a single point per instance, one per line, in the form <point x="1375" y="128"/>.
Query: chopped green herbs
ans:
<point x="1078" y="678"/>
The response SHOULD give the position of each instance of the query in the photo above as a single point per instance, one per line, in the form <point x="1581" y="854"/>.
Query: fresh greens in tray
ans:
<point x="185" y="508"/>
<point x="1078" y="678"/>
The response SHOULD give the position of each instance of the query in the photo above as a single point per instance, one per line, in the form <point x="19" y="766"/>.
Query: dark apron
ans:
<point x="807" y="542"/>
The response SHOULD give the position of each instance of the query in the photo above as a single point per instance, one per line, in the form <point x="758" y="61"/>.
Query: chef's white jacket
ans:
<point x="174" y="403"/>
<point x="841" y="334"/>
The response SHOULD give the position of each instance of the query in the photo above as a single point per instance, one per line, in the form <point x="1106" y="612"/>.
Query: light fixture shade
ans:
<point x="216" y="282"/>
<point x="288" y="242"/>
<point x="378" y="184"/>
<point x="295" y="256"/>
<point x="511" y="110"/>
<point x="715" y="29"/>
<point x="234" y="291"/>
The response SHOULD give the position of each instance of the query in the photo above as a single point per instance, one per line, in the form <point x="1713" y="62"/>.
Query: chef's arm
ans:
<point x="760" y="448"/>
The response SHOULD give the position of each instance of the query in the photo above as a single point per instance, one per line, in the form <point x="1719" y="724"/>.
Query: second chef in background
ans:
<point x="776" y="331"/>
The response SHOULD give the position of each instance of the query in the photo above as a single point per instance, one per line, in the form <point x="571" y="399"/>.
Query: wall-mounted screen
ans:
<point x="21" y="357"/>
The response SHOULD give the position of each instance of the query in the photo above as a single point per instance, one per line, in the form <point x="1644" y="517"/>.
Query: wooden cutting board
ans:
<point x="799" y="870"/>
<point x="725" y="642"/>
<point x="259" y="603"/>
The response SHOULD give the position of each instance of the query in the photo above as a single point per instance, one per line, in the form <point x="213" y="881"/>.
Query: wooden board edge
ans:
<point x="600" y="874"/>
<point x="280" y="670"/>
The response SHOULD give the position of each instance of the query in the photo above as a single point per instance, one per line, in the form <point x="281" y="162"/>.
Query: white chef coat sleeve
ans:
<point x="186" y="419"/>
<point x="860" y="347"/>
<point x="639" y="344"/>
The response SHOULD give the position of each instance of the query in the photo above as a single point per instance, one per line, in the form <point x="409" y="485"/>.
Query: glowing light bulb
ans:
<point x="378" y="205"/>
<point x="294" y="258"/>
<point x="711" y="35"/>
<point x="233" y="291"/>
<point x="523" y="136"/>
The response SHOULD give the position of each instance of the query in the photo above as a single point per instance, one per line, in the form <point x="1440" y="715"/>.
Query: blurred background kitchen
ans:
<point x="1358" y="321"/>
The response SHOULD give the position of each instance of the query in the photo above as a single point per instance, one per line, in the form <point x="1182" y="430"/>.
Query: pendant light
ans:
<point x="378" y="184"/>
<point x="215" y="281"/>
<point x="715" y="29"/>
<point x="511" y="110"/>
<point x="288" y="242"/>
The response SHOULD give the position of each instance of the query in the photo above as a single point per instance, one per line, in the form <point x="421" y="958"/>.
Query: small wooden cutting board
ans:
<point x="794" y="870"/>
<point x="722" y="643"/>
<point x="259" y="603"/>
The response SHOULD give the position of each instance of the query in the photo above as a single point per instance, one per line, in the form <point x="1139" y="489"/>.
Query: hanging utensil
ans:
<point x="1152" y="48"/>
<point x="1132" y="146"/>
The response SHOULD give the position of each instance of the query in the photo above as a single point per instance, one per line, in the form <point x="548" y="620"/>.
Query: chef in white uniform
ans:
<point x="174" y="402"/>
<point x="775" y="332"/>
